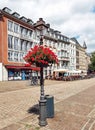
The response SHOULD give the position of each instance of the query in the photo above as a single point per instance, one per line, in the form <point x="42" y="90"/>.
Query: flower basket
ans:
<point x="41" y="56"/>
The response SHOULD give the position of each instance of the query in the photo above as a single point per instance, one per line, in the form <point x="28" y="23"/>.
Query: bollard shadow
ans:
<point x="34" y="109"/>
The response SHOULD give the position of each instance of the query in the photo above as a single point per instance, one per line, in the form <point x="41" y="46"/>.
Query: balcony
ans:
<point x="63" y="67"/>
<point x="26" y="37"/>
<point x="47" y="36"/>
<point x="63" y="48"/>
<point x="64" y="58"/>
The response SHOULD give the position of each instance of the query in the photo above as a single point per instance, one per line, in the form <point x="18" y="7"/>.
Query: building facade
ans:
<point x="17" y="37"/>
<point x="81" y="60"/>
<point x="72" y="55"/>
<point x="58" y="43"/>
<point x="19" y="34"/>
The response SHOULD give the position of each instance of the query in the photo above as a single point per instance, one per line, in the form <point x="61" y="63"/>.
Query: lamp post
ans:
<point x="42" y="101"/>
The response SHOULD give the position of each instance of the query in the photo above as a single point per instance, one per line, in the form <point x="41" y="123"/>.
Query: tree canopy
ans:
<point x="92" y="65"/>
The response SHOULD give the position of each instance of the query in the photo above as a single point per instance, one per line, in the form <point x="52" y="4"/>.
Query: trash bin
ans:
<point x="49" y="106"/>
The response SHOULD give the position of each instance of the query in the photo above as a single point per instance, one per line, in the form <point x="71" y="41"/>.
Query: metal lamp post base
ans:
<point x="42" y="111"/>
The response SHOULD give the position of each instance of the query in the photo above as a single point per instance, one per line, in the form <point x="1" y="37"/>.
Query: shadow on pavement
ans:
<point x="34" y="109"/>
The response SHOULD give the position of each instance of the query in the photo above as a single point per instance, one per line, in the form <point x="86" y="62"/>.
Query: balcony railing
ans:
<point x="63" y="67"/>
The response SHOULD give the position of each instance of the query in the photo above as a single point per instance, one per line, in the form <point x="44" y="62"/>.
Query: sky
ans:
<point x="73" y="18"/>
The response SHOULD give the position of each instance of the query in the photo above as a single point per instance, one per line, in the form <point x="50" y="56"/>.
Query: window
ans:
<point x="23" y="31"/>
<point x="62" y="45"/>
<point x="10" y="55"/>
<point x="21" y="43"/>
<point x="58" y="36"/>
<point x="34" y="35"/>
<point x="16" y="41"/>
<point x="58" y="53"/>
<point x="25" y="42"/>
<point x="24" y="46"/>
<point x="16" y="28"/>
<point x="65" y="39"/>
<point x="10" y="41"/>
<point x="28" y="45"/>
<point x="62" y="53"/>
<point x="58" y="45"/>
<point x="49" y="43"/>
<point x="16" y="56"/>
<point x="10" y="25"/>
<point x="29" y="33"/>
<point x="32" y="45"/>
<point x="21" y="57"/>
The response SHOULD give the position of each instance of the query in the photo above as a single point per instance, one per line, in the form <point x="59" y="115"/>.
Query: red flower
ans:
<point x="41" y="55"/>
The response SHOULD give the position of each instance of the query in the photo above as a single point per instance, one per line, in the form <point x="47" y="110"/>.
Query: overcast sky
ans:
<point x="74" y="18"/>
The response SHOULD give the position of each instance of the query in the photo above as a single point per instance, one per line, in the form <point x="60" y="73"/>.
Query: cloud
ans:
<point x="75" y="18"/>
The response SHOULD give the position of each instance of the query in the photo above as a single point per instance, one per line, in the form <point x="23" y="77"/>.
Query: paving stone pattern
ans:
<point x="74" y="104"/>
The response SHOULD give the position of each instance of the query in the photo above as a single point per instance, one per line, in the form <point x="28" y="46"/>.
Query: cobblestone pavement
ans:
<point x="74" y="107"/>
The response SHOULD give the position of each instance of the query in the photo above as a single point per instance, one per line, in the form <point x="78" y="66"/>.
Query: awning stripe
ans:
<point x="22" y="67"/>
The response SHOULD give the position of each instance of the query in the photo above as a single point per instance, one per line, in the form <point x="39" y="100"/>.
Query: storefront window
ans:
<point x="10" y="75"/>
<point x="16" y="74"/>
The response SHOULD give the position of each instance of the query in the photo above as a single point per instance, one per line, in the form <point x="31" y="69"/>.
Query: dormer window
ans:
<point x="7" y="10"/>
<point x="30" y="21"/>
<point x="16" y="14"/>
<point x="23" y="19"/>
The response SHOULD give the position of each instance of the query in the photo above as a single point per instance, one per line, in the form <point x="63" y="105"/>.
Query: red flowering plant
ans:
<point x="41" y="56"/>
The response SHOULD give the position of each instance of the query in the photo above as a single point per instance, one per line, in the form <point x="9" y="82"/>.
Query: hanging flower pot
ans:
<point x="41" y="56"/>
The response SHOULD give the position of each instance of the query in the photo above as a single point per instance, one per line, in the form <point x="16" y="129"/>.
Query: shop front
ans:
<point x="59" y="73"/>
<point x="21" y="72"/>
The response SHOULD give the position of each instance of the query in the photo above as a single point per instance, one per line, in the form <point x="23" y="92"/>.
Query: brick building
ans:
<point x="17" y="36"/>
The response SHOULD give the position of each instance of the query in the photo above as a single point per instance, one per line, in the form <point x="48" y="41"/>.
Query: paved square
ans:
<point x="74" y="105"/>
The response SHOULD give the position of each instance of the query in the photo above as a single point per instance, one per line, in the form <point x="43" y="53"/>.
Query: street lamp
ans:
<point x="42" y="101"/>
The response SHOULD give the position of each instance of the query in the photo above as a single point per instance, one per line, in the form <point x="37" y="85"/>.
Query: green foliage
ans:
<point x="92" y="65"/>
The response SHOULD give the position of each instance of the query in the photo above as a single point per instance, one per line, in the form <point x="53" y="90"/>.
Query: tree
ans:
<point x="92" y="65"/>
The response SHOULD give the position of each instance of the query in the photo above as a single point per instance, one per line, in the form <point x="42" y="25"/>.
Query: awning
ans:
<point x="23" y="67"/>
<point x="74" y="71"/>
